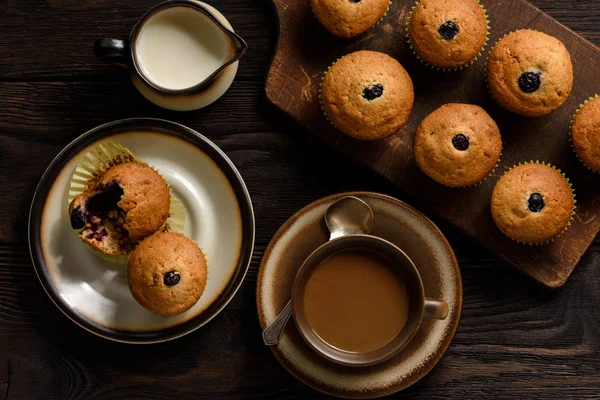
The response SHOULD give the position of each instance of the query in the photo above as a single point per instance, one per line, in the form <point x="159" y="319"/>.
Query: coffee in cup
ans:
<point x="359" y="300"/>
<point x="355" y="301"/>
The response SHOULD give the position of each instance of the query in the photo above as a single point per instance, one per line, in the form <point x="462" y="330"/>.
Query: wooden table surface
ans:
<point x="516" y="339"/>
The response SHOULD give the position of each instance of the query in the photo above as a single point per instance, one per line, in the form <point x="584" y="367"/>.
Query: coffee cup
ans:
<point x="177" y="48"/>
<point x="381" y="252"/>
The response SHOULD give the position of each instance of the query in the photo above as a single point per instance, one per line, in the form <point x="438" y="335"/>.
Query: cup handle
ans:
<point x="435" y="309"/>
<point x="114" y="51"/>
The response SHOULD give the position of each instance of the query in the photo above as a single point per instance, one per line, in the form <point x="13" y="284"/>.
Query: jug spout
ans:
<point x="237" y="45"/>
<point x="237" y="48"/>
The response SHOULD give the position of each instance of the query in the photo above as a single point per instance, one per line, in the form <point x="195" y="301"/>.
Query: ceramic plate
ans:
<point x="423" y="243"/>
<point x="219" y="217"/>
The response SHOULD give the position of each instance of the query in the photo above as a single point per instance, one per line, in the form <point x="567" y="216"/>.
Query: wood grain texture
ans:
<point x="516" y="339"/>
<point x="305" y="50"/>
<point x="54" y="40"/>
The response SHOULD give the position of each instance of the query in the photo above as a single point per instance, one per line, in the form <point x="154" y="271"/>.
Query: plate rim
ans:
<point x="248" y="228"/>
<point x="431" y="363"/>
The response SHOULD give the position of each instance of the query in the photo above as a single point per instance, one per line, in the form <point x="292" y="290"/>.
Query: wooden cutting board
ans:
<point x="305" y="49"/>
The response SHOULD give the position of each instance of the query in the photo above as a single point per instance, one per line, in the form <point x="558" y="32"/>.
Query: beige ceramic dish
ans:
<point x="431" y="254"/>
<point x="93" y="292"/>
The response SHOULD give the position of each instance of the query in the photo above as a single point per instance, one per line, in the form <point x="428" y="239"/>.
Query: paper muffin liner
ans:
<point x="91" y="167"/>
<point x="460" y="67"/>
<point x="572" y="196"/>
<point x="385" y="13"/>
<point x="321" y="99"/>
<point x="370" y="29"/>
<point x="571" y="132"/>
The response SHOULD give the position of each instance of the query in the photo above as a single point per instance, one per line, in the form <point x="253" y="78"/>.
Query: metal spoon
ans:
<point x="347" y="216"/>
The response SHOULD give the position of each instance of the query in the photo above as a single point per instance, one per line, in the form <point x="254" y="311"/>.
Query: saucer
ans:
<point x="197" y="100"/>
<point x="423" y="243"/>
<point x="93" y="292"/>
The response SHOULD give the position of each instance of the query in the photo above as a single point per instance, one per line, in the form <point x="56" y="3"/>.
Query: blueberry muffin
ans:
<point x="448" y="33"/>
<point x="167" y="273"/>
<point x="129" y="202"/>
<point x="349" y="18"/>
<point x="533" y="203"/>
<point x="585" y="134"/>
<point x="457" y="145"/>
<point x="530" y="73"/>
<point x="367" y="95"/>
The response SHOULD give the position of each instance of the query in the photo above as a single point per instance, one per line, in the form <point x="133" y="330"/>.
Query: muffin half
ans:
<point x="129" y="202"/>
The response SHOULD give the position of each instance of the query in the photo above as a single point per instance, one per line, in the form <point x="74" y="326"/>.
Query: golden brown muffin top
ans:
<point x="448" y="33"/>
<point x="348" y="18"/>
<point x="532" y="203"/>
<point x="586" y="134"/>
<point x="367" y="95"/>
<point x="167" y="273"/>
<point x="530" y="73"/>
<point x="146" y="198"/>
<point x="457" y="145"/>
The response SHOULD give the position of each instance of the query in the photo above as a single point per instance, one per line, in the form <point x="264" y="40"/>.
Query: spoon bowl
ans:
<point x="348" y="216"/>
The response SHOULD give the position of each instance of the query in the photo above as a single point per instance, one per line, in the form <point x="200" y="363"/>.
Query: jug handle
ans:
<point x="114" y="51"/>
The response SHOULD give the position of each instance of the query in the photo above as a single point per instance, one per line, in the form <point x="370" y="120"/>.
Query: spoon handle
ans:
<point x="273" y="332"/>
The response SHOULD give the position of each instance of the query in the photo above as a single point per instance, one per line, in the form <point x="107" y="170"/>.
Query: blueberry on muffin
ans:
<point x="448" y="33"/>
<point x="367" y="95"/>
<point x="457" y="145"/>
<point x="532" y="203"/>
<point x="585" y="134"/>
<point x="349" y="18"/>
<point x="530" y="73"/>
<point x="129" y="202"/>
<point x="167" y="273"/>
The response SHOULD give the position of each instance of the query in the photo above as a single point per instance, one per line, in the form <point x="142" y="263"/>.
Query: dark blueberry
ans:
<point x="536" y="202"/>
<point x="448" y="30"/>
<point x="77" y="219"/>
<point x="460" y="142"/>
<point x="372" y="92"/>
<point x="106" y="200"/>
<point x="354" y="1"/>
<point x="172" y="278"/>
<point x="529" y="82"/>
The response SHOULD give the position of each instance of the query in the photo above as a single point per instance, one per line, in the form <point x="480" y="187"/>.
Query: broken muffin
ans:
<point x="129" y="202"/>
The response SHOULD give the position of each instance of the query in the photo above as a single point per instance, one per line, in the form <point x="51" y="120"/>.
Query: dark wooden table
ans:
<point x="516" y="339"/>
